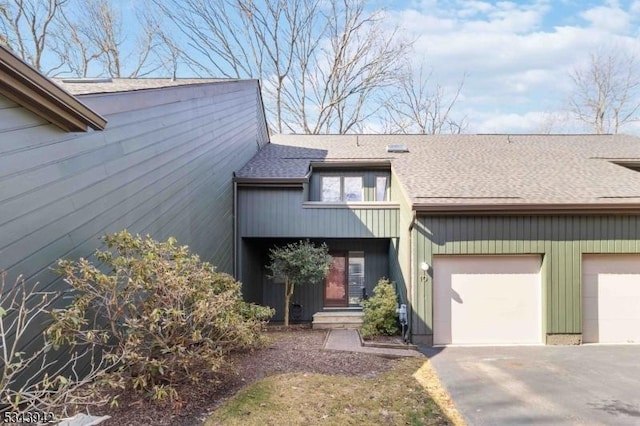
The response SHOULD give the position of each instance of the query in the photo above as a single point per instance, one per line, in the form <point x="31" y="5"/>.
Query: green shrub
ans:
<point x="380" y="317"/>
<point x="160" y="310"/>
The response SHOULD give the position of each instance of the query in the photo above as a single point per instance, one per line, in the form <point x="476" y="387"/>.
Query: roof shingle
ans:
<point x="474" y="169"/>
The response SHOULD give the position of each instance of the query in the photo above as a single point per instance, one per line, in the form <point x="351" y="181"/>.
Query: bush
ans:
<point x="163" y="312"/>
<point x="380" y="317"/>
<point x="34" y="378"/>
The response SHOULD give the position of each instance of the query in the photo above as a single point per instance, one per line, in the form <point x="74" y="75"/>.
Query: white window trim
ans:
<point x="342" y="187"/>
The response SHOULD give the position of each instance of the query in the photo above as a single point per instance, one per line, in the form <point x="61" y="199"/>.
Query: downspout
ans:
<point x="412" y="264"/>
<point x="234" y="213"/>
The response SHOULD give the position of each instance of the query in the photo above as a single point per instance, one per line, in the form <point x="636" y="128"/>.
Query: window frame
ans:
<point x="386" y="188"/>
<point x="342" y="187"/>
<point x="322" y="177"/>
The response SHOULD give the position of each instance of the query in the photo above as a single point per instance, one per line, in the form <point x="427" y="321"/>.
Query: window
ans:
<point x="353" y="188"/>
<point x="331" y="188"/>
<point x="341" y="188"/>
<point x="381" y="188"/>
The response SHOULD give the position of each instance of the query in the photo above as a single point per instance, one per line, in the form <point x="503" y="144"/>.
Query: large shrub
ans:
<point x="380" y="317"/>
<point x="161" y="310"/>
<point x="33" y="377"/>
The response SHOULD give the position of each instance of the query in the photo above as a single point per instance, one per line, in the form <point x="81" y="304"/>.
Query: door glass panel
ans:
<point x="330" y="188"/>
<point x="335" y="290"/>
<point x="353" y="188"/>
<point x="356" y="277"/>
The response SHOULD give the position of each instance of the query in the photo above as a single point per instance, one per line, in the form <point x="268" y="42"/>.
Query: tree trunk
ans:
<point x="287" y="299"/>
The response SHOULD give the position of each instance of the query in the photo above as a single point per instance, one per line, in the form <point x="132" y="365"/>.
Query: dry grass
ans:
<point x="408" y="394"/>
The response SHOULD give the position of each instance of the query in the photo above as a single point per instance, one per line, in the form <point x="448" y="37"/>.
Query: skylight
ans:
<point x="397" y="147"/>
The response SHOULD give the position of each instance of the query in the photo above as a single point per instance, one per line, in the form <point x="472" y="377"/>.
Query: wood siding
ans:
<point x="267" y="212"/>
<point x="562" y="240"/>
<point x="400" y="247"/>
<point x="165" y="170"/>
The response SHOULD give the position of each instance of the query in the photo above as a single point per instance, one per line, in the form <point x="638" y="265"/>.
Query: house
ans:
<point x="81" y="158"/>
<point x="490" y="239"/>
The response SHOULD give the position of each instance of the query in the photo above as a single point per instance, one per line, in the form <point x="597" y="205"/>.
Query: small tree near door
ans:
<point x="300" y="263"/>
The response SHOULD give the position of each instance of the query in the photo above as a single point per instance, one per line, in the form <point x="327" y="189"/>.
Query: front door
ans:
<point x="335" y="285"/>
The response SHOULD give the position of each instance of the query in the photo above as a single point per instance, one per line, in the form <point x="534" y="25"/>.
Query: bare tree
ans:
<point x="26" y="26"/>
<point x="94" y="34"/>
<point x="420" y="107"/>
<point x="345" y="78"/>
<point x="606" y="92"/>
<point x="319" y="62"/>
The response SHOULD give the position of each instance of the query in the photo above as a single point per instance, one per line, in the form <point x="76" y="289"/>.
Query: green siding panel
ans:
<point x="267" y="212"/>
<point x="561" y="240"/>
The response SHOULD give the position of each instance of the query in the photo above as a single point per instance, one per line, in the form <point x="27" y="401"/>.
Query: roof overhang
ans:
<point x="273" y="182"/>
<point x="33" y="91"/>
<point x="351" y="164"/>
<point x="475" y="209"/>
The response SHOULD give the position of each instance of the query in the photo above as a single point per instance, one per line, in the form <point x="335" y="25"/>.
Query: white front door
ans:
<point x="487" y="300"/>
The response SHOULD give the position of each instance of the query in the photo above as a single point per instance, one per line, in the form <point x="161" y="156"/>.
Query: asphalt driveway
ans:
<point x="584" y="385"/>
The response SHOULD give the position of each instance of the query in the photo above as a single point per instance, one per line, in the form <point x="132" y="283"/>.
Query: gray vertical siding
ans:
<point x="162" y="168"/>
<point x="562" y="240"/>
<point x="279" y="212"/>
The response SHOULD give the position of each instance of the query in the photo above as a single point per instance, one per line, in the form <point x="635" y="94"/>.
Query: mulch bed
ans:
<point x="298" y="349"/>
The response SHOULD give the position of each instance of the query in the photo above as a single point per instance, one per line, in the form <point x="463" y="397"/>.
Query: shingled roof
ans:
<point x="85" y="86"/>
<point x="474" y="169"/>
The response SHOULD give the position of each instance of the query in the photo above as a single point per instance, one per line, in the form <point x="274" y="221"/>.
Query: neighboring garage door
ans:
<point x="487" y="300"/>
<point x="611" y="298"/>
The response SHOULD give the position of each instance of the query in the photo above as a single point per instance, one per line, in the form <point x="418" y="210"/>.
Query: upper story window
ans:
<point x="382" y="193"/>
<point x="341" y="188"/>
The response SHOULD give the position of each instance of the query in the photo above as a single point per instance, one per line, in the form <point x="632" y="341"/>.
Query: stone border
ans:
<point x="385" y="345"/>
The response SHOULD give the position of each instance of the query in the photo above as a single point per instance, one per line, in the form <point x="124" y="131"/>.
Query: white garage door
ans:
<point x="487" y="300"/>
<point x="611" y="298"/>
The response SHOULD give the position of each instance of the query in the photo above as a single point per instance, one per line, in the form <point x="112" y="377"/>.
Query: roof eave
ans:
<point x="33" y="91"/>
<point x="566" y="208"/>
<point x="271" y="181"/>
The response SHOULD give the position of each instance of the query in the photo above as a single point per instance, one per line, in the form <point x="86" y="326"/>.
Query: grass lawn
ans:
<point x="408" y="394"/>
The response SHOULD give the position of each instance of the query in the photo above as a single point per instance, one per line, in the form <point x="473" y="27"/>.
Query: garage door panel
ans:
<point x="487" y="300"/>
<point x="611" y="299"/>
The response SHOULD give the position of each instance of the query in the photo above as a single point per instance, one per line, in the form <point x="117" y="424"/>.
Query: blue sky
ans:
<point x="517" y="55"/>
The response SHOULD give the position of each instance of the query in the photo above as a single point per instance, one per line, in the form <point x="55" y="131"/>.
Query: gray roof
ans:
<point x="84" y="86"/>
<point x="474" y="169"/>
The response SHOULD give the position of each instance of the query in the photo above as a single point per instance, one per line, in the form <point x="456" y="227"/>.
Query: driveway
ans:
<point x="581" y="385"/>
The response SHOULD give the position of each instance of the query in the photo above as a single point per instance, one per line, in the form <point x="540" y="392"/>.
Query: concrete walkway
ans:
<point x="349" y="341"/>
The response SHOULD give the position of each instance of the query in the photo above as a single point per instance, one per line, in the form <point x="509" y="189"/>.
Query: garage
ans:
<point x="487" y="300"/>
<point x="611" y="298"/>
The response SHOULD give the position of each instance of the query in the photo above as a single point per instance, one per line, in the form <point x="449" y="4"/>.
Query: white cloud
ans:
<point x="608" y="18"/>
<point x="517" y="56"/>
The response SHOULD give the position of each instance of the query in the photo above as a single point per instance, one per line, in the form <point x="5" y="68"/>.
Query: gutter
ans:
<point x="565" y="208"/>
<point x="297" y="181"/>
<point x="235" y="227"/>
<point x="30" y="89"/>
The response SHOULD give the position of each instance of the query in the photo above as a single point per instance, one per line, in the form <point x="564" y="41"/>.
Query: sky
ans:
<point x="516" y="55"/>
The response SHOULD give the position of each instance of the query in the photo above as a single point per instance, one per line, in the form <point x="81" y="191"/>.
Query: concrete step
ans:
<point x="337" y="319"/>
